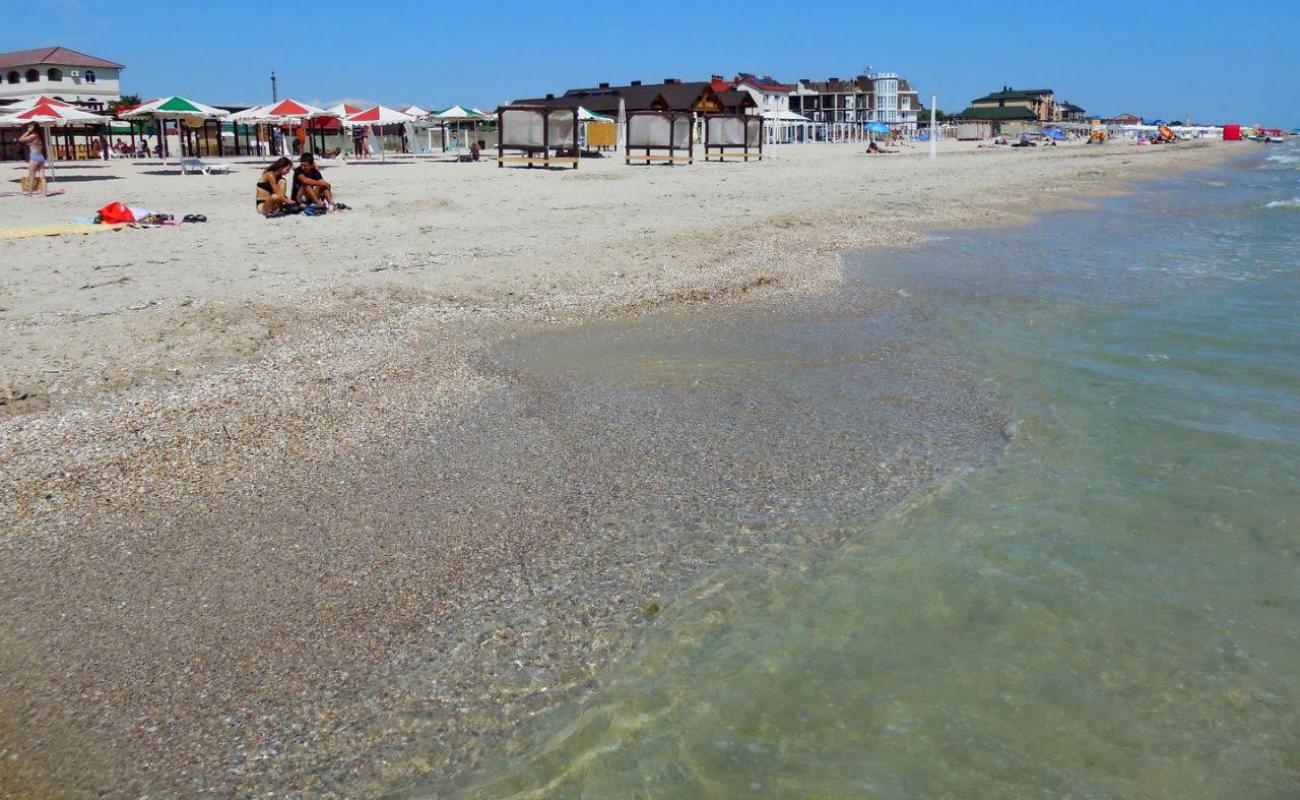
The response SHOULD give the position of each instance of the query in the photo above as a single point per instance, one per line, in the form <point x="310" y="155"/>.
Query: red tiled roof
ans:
<point x="766" y="83"/>
<point x="60" y="56"/>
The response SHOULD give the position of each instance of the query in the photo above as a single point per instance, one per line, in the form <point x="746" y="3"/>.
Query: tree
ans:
<point x="126" y="101"/>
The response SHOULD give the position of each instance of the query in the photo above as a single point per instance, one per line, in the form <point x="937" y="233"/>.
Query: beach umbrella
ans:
<point x="590" y="116"/>
<point x="292" y="111"/>
<point x="247" y="115"/>
<point x="416" y="111"/>
<point x="343" y="110"/>
<point x="378" y="115"/>
<point x="877" y="127"/>
<point x="49" y="116"/>
<point x="173" y="108"/>
<point x="34" y="101"/>
<point x="457" y="113"/>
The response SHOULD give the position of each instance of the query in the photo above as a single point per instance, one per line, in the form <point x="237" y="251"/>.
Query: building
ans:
<point x="1072" y="113"/>
<point x="67" y="75"/>
<point x="672" y="95"/>
<point x="1035" y="105"/>
<point x="771" y="97"/>
<point x="872" y="97"/>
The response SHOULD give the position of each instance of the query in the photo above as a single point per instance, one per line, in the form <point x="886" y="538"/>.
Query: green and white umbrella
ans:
<point x="458" y="114"/>
<point x="174" y="108"/>
<point x="178" y="108"/>
<point x="591" y="116"/>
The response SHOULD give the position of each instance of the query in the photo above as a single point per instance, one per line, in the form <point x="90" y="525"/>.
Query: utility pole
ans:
<point x="274" y="96"/>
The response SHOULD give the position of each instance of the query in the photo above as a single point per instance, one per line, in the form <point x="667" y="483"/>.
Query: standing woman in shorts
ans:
<point x="31" y="137"/>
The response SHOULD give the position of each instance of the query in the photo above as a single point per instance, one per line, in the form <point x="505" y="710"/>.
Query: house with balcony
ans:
<point x="1035" y="105"/>
<point x="771" y="97"/>
<point x="883" y="97"/>
<point x="73" y="77"/>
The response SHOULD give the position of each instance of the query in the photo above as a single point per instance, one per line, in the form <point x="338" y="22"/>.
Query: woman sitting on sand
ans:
<point x="272" y="193"/>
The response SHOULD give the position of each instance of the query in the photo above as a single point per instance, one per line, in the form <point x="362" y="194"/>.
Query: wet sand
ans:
<point x="324" y="532"/>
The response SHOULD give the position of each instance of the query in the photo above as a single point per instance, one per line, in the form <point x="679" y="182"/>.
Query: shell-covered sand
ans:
<point x="274" y="521"/>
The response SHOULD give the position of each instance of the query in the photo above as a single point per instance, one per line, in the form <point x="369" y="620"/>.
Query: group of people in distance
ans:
<point x="275" y="197"/>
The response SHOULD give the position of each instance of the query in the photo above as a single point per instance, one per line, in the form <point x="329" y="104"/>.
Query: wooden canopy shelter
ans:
<point x="696" y="97"/>
<point x="733" y="136"/>
<point x="533" y="132"/>
<point x="661" y="135"/>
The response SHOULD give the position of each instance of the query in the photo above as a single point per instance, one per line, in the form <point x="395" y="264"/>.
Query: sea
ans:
<point x="1110" y="608"/>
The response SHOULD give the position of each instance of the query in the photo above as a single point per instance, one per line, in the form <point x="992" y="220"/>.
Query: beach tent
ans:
<point x="458" y="116"/>
<point x="590" y="116"/>
<point x="416" y="111"/>
<point x="33" y="102"/>
<point x="377" y="115"/>
<point x="343" y="110"/>
<point x="176" y="108"/>
<point x="50" y="116"/>
<point x="877" y="127"/>
<point x="291" y="111"/>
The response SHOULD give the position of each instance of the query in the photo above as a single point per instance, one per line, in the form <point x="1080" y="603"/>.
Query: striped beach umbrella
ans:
<point x="378" y="115"/>
<point x="174" y="108"/>
<point x="290" y="110"/>
<point x="417" y="112"/>
<point x="49" y="115"/>
<point x="344" y="110"/>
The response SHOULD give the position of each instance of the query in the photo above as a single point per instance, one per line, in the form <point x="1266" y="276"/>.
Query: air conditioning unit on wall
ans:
<point x="74" y="73"/>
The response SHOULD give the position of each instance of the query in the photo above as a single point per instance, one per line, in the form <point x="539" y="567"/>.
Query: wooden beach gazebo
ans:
<point x="534" y="132"/>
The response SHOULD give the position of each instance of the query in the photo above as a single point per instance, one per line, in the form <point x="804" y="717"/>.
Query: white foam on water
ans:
<point x="1292" y="203"/>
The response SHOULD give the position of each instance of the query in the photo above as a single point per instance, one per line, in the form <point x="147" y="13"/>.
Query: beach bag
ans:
<point x="115" y="213"/>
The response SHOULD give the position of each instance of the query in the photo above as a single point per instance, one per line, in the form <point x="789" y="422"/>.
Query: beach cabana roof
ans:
<point x="416" y="111"/>
<point x="377" y="115"/>
<point x="52" y="115"/>
<point x="784" y="116"/>
<point x="343" y="110"/>
<point x="34" y="101"/>
<point x="458" y="112"/>
<point x="998" y="114"/>
<point x="174" y="107"/>
<point x="291" y="110"/>
<point x="590" y="116"/>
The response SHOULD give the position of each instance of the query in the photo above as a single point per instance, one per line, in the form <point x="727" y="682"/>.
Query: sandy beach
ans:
<point x="274" y="507"/>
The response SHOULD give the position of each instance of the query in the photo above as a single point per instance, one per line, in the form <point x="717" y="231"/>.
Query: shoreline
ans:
<point x="341" y="397"/>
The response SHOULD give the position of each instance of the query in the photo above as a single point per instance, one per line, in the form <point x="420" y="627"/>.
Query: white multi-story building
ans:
<point x="60" y="73"/>
<point x="871" y="97"/>
<point x="771" y="97"/>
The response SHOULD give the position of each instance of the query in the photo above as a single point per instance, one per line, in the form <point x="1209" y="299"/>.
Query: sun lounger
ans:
<point x="189" y="165"/>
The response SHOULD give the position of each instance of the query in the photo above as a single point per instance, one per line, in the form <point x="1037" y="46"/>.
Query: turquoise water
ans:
<point x="1112" y="609"/>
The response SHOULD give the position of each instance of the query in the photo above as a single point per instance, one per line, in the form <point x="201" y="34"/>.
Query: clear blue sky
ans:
<point x="1224" y="60"/>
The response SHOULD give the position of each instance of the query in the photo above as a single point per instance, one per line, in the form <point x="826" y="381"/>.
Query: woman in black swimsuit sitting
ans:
<point x="272" y="193"/>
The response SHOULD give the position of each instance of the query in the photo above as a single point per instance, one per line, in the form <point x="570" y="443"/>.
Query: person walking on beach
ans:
<point x="31" y="136"/>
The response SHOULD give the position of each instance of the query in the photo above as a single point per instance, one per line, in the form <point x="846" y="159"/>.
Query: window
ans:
<point x="54" y="74"/>
<point x="33" y="76"/>
<point x="14" y="77"/>
<point x="90" y="76"/>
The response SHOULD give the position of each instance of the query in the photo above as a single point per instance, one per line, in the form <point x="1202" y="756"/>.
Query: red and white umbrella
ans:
<point x="38" y="100"/>
<point x="378" y="115"/>
<point x="343" y="110"/>
<point x="51" y="115"/>
<point x="291" y="110"/>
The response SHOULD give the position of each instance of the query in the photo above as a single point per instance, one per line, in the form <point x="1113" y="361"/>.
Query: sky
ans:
<point x="1218" y="62"/>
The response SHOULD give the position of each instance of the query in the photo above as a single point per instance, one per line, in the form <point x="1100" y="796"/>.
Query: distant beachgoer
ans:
<point x="272" y="196"/>
<point x="31" y="136"/>
<point x="475" y="151"/>
<point x="358" y="141"/>
<point x="308" y="184"/>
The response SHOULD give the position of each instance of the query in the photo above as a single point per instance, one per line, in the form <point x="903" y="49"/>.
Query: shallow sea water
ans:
<point x="1111" y="609"/>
